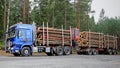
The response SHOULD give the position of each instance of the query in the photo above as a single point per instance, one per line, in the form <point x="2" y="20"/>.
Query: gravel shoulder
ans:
<point x="70" y="61"/>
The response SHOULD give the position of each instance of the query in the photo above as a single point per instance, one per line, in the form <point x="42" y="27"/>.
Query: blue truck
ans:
<point x="24" y="39"/>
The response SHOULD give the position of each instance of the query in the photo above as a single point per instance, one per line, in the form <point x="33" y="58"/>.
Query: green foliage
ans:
<point x="61" y="12"/>
<point x="1" y="18"/>
<point x="16" y="11"/>
<point x="55" y="12"/>
<point x="85" y="8"/>
<point x="1" y="43"/>
<point x="110" y="26"/>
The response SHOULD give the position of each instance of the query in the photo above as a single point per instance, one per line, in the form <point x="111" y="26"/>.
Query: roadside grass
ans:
<point x="1" y="44"/>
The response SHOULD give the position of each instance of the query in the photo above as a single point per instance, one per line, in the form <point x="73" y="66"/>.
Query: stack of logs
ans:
<point x="110" y="41"/>
<point x="95" y="39"/>
<point x="91" y="38"/>
<point x="53" y="36"/>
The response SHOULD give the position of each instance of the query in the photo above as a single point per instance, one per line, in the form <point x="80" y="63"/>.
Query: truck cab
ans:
<point x="75" y="34"/>
<point x="19" y="39"/>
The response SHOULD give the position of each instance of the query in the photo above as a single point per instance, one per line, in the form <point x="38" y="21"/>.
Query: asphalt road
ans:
<point x="70" y="61"/>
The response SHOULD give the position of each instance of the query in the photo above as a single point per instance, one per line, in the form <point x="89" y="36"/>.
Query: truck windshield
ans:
<point x="11" y="33"/>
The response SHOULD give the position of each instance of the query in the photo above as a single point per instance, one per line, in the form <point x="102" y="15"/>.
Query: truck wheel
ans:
<point x="67" y="50"/>
<point x="59" y="51"/>
<point x="50" y="53"/>
<point x="95" y="52"/>
<point x="110" y="52"/>
<point x="114" y="52"/>
<point x="16" y="54"/>
<point x="79" y="53"/>
<point x="25" y="51"/>
<point x="89" y="52"/>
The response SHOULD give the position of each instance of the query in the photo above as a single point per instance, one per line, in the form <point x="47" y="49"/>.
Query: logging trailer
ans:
<point x="93" y="43"/>
<point x="24" y="39"/>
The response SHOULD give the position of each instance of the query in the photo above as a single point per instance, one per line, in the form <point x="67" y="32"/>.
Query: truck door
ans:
<point x="25" y="36"/>
<point x="21" y="35"/>
<point x="29" y="36"/>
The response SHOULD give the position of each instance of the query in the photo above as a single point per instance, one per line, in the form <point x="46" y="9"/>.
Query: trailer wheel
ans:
<point x="89" y="52"/>
<point x="67" y="50"/>
<point x="16" y="54"/>
<point x="25" y="51"/>
<point x="51" y="53"/>
<point x="59" y="51"/>
<point x="94" y="51"/>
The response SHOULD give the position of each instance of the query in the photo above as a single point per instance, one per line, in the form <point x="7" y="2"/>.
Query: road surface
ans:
<point x="70" y="61"/>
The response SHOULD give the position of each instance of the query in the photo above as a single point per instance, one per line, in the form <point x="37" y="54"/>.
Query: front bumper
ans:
<point x="14" y="50"/>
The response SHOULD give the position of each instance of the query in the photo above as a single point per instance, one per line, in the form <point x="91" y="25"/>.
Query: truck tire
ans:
<point x="79" y="53"/>
<point x="16" y="54"/>
<point x="67" y="50"/>
<point x="94" y="51"/>
<point x="59" y="51"/>
<point x="114" y="52"/>
<point x="89" y="52"/>
<point x="110" y="52"/>
<point x="51" y="53"/>
<point x="25" y="51"/>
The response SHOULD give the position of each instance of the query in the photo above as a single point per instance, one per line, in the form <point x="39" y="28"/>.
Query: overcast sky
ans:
<point x="111" y="7"/>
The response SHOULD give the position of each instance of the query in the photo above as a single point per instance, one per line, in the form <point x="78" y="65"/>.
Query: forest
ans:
<point x="68" y="13"/>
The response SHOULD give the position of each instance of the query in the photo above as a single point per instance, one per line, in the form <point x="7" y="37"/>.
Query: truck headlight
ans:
<point x="16" y="50"/>
<point x="12" y="48"/>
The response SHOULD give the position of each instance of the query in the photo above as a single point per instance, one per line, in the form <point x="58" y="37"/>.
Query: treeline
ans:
<point x="57" y="13"/>
<point x="61" y="12"/>
<point x="1" y="19"/>
<point x="110" y="26"/>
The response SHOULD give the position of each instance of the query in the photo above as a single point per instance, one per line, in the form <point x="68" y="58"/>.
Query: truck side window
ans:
<point x="21" y="33"/>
